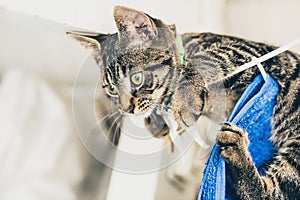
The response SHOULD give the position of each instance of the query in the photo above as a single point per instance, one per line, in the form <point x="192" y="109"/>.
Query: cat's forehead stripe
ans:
<point x="124" y="70"/>
<point x="108" y="78"/>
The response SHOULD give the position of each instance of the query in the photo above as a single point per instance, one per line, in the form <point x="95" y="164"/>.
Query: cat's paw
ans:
<point x="233" y="142"/>
<point x="187" y="106"/>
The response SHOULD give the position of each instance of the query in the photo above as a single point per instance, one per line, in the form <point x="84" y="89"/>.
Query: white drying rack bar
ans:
<point x="257" y="61"/>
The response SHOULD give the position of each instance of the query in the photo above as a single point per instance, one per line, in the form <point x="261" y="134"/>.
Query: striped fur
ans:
<point x="282" y="179"/>
<point x="147" y="45"/>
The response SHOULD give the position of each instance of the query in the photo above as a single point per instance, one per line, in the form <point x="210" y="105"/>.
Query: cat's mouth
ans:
<point x="146" y="113"/>
<point x="142" y="107"/>
<point x="136" y="112"/>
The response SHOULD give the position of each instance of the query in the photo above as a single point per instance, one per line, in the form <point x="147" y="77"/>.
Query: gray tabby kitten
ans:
<point x="142" y="73"/>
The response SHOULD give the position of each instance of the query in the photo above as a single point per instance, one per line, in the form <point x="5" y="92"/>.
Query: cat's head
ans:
<point x="136" y="61"/>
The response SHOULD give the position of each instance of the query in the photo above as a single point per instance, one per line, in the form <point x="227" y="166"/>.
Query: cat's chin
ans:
<point x="144" y="114"/>
<point x="139" y="114"/>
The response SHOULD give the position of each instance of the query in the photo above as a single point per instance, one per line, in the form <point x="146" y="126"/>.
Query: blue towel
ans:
<point x="253" y="112"/>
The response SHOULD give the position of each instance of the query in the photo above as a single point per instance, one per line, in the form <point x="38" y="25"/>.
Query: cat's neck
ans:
<point x="207" y="53"/>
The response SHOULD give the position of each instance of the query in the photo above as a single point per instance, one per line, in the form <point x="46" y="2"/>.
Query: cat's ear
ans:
<point x="91" y="41"/>
<point x="134" y="27"/>
<point x="172" y="27"/>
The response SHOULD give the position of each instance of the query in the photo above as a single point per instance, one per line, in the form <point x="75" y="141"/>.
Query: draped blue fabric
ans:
<point x="253" y="112"/>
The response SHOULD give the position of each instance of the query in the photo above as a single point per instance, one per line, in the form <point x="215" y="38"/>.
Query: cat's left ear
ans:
<point x="135" y="28"/>
<point x="91" y="41"/>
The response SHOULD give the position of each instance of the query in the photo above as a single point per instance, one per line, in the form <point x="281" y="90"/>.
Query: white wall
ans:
<point x="266" y="20"/>
<point x="272" y="21"/>
<point x="29" y="41"/>
<point x="97" y="14"/>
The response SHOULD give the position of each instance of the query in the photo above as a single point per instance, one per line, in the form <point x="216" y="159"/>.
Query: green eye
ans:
<point x="137" y="79"/>
<point x="112" y="90"/>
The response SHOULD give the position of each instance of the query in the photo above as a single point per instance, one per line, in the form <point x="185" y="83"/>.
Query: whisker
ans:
<point x="115" y="122"/>
<point x="112" y="124"/>
<point x="117" y="133"/>
<point x="163" y="96"/>
<point x="155" y="104"/>
<point x="154" y="116"/>
<point x="107" y="116"/>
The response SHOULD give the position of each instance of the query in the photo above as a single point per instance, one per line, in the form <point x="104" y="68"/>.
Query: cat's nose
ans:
<point x="127" y="104"/>
<point x="130" y="109"/>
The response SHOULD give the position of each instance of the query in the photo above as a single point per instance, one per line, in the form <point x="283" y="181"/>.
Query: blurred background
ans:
<point x="41" y="155"/>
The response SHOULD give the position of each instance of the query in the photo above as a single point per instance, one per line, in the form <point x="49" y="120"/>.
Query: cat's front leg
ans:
<point x="233" y="142"/>
<point x="156" y="125"/>
<point x="187" y="105"/>
<point x="158" y="128"/>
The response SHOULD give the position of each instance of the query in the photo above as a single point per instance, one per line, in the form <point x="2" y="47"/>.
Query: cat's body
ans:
<point x="284" y="170"/>
<point x="142" y="73"/>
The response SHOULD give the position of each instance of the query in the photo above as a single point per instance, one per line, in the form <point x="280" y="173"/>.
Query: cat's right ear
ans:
<point x="91" y="41"/>
<point x="135" y="28"/>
